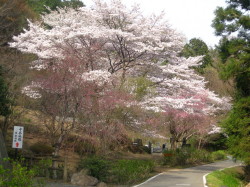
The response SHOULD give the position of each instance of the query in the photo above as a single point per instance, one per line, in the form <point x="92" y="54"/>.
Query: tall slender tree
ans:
<point x="4" y="103"/>
<point x="233" y="24"/>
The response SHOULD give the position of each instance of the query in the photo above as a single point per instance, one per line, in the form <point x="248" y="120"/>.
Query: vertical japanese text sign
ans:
<point x="18" y="137"/>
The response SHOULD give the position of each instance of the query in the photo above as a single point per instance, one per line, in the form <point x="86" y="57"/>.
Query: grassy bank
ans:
<point x="230" y="177"/>
<point x="188" y="157"/>
<point x="120" y="171"/>
<point x="135" y="170"/>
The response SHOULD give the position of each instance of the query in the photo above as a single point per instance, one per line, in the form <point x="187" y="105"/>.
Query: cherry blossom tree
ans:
<point x="108" y="36"/>
<point x="179" y="87"/>
<point x="182" y="98"/>
<point x="72" y="100"/>
<point x="182" y="125"/>
<point x="81" y="51"/>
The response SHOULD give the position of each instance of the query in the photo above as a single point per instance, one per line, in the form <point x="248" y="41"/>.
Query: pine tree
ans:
<point x="233" y="24"/>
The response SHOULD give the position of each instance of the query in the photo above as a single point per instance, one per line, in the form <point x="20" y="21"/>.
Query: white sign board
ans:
<point x="18" y="137"/>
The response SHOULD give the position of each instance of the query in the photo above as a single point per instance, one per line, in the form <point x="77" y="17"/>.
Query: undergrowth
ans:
<point x="230" y="177"/>
<point x="117" y="172"/>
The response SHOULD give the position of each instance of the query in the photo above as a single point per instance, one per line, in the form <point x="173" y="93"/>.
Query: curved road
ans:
<point x="192" y="177"/>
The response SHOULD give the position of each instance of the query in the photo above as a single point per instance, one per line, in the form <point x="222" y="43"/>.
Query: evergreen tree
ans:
<point x="4" y="100"/>
<point x="13" y="17"/>
<point x="41" y="6"/>
<point x="233" y="24"/>
<point x="197" y="47"/>
<point x="5" y="103"/>
<point x="235" y="51"/>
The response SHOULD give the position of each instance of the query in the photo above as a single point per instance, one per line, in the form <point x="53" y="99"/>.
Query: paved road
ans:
<point x="59" y="185"/>
<point x="192" y="177"/>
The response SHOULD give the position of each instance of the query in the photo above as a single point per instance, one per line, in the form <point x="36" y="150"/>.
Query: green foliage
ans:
<point x="131" y="171"/>
<point x="215" y="142"/>
<point x="244" y="4"/>
<point x="41" y="148"/>
<point x="140" y="86"/>
<point x="13" y="17"/>
<point x="42" y="167"/>
<point x="200" y="156"/>
<point x="42" y="5"/>
<point x="4" y="97"/>
<point x="232" y="18"/>
<point x="223" y="16"/>
<point x="230" y="177"/>
<point x="44" y="163"/>
<point x="234" y="52"/>
<point x="169" y="158"/>
<point x="117" y="172"/>
<point x="235" y="57"/>
<point x="72" y="3"/>
<point x="18" y="176"/>
<point x="237" y="127"/>
<point x="219" y="155"/>
<point x="97" y="167"/>
<point x="197" y="47"/>
<point x="214" y="82"/>
<point x="186" y="156"/>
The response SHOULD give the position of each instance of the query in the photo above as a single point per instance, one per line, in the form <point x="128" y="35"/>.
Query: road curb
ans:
<point x="204" y="176"/>
<point x="149" y="179"/>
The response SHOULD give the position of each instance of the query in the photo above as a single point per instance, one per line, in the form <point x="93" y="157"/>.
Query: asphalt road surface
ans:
<point x="192" y="177"/>
<point x="60" y="185"/>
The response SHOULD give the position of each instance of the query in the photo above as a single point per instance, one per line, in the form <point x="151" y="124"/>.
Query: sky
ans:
<point x="193" y="18"/>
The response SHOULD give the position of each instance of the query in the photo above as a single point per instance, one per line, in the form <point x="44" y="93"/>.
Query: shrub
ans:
<point x="130" y="171"/>
<point x="41" y="148"/>
<point x="85" y="146"/>
<point x="182" y="156"/>
<point x="97" y="167"/>
<point x="216" y="142"/>
<point x="117" y="172"/>
<point x="219" y="155"/>
<point x="18" y="176"/>
<point x="199" y="156"/>
<point x="169" y="157"/>
<point x="176" y="157"/>
<point x="42" y="167"/>
<point x="186" y="156"/>
<point x="231" y="177"/>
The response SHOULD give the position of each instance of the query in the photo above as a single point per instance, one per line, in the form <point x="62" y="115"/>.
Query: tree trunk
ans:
<point x="5" y="127"/>
<point x="173" y="143"/>
<point x="56" y="155"/>
<point x="3" y="153"/>
<point x="65" y="169"/>
<point x="123" y="78"/>
<point x="54" y="163"/>
<point x="200" y="141"/>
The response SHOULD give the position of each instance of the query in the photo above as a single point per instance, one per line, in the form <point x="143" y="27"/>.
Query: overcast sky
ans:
<point x="191" y="17"/>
